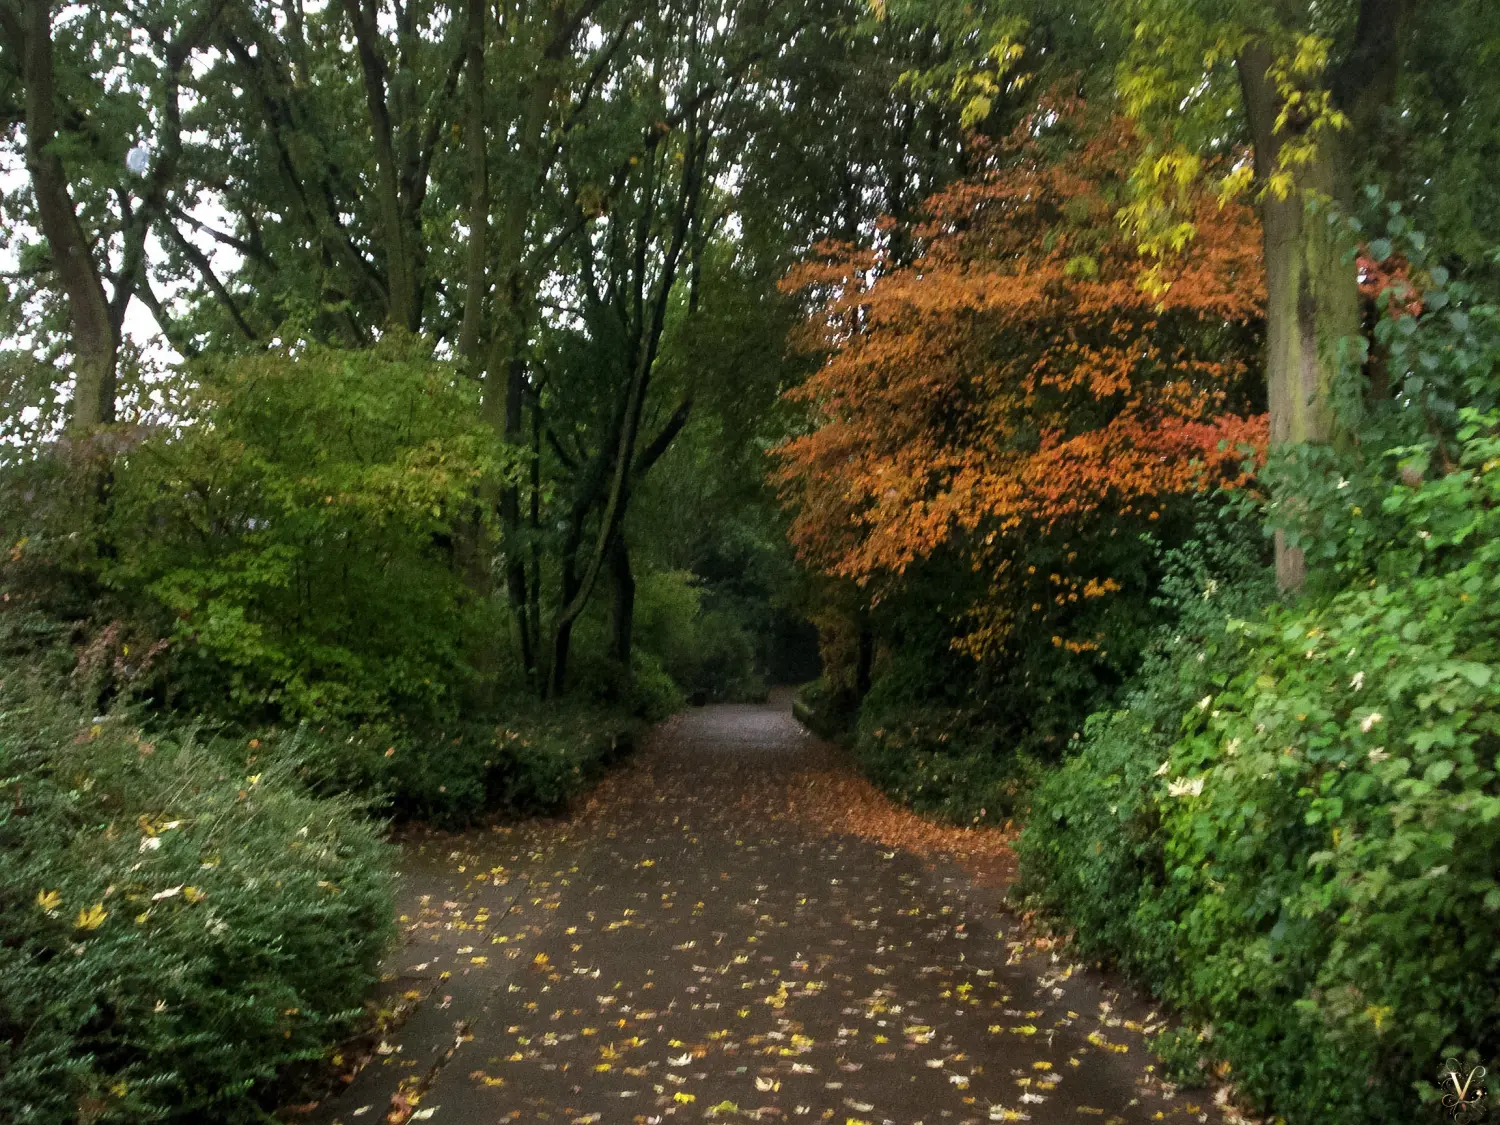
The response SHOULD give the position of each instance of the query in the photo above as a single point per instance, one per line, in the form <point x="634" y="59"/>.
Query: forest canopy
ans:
<point x="1092" y="405"/>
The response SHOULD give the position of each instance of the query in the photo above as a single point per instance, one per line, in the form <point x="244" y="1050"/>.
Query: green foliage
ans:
<point x="300" y="543"/>
<point x="1181" y="1051"/>
<point x="1443" y="371"/>
<point x="555" y="756"/>
<point x="707" y="653"/>
<point x="1093" y="837"/>
<point x="1304" y="856"/>
<point x="534" y="761"/>
<point x="179" y="919"/>
<point x="963" y="736"/>
<point x="651" y="693"/>
<point x="936" y="755"/>
<point x="940" y="762"/>
<point x="826" y="710"/>
<point x="682" y="651"/>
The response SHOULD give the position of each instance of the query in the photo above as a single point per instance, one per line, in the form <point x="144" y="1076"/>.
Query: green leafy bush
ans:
<point x="961" y="731"/>
<point x="941" y="762"/>
<point x="299" y="536"/>
<point x="1182" y="1051"/>
<point x="557" y="754"/>
<point x="1306" y="857"/>
<point x="535" y="761"/>
<point x="946" y="757"/>
<point x="179" y="919"/>
<point x="825" y="709"/>
<point x="1092" y="846"/>
<point x="707" y="653"/>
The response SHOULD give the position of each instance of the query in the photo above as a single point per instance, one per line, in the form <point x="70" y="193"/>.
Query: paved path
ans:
<point x="700" y="943"/>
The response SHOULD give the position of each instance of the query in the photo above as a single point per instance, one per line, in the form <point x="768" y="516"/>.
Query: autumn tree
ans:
<point x="1327" y="97"/>
<point x="1012" y="392"/>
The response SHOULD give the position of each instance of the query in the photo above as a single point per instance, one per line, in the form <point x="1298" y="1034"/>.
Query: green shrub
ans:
<point x="941" y="762"/>
<point x="1092" y="845"/>
<point x="1183" y="1054"/>
<point x="535" y="761"/>
<point x="1337" y="882"/>
<point x="179" y="919"/>
<point x="825" y="709"/>
<point x="707" y="653"/>
<point x="1306" y="857"/>
<point x="653" y="693"/>
<point x="301" y="541"/>
<point x="550" y="759"/>
<point x="940" y="757"/>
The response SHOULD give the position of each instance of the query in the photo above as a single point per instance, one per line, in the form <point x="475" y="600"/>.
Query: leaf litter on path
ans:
<point x="736" y="927"/>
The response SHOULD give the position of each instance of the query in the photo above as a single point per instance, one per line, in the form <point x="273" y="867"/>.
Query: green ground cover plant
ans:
<point x="182" y="923"/>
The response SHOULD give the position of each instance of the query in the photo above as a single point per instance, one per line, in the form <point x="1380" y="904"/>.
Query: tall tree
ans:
<point x="95" y="211"/>
<point x="1325" y="95"/>
<point x="1314" y="83"/>
<point x="520" y="184"/>
<point x="1013" y="387"/>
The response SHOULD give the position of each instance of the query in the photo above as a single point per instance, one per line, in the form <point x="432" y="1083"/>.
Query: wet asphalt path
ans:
<point x="693" y="946"/>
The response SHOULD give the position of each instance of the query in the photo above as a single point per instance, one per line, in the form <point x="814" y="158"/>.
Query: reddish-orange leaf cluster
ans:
<point x="1012" y="377"/>
<point x="1391" y="276"/>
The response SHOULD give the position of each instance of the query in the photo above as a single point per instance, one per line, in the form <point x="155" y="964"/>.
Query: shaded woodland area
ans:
<point x="406" y="404"/>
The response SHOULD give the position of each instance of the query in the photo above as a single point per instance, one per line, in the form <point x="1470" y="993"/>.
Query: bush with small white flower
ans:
<point x="1315" y="867"/>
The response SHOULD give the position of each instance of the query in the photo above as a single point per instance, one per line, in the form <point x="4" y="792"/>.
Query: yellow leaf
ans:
<point x="92" y="918"/>
<point x="193" y="894"/>
<point x="49" y="900"/>
<point x="684" y="1098"/>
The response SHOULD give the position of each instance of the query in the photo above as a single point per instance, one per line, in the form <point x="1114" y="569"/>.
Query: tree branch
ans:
<point x="663" y="440"/>
<point x="206" y="271"/>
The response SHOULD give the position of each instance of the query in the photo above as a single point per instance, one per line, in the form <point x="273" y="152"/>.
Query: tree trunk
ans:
<point x="562" y="632"/>
<point x="504" y="377"/>
<point x="533" y="613"/>
<point x="402" y="284"/>
<point x="557" y="677"/>
<point x="1312" y="293"/>
<point x="623" y="582"/>
<point x="95" y="341"/>
<point x="476" y="140"/>
<point x="864" y="661"/>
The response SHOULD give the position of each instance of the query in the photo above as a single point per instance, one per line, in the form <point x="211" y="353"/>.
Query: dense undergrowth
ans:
<point x="181" y="920"/>
<point x="193" y="909"/>
<point x="1286" y="822"/>
<point x="1290" y="828"/>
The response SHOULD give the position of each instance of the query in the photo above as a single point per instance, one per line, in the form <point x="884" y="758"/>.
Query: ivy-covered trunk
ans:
<point x="1312" y="288"/>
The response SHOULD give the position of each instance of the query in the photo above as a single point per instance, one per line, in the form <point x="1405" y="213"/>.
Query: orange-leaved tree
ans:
<point x="999" y="384"/>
